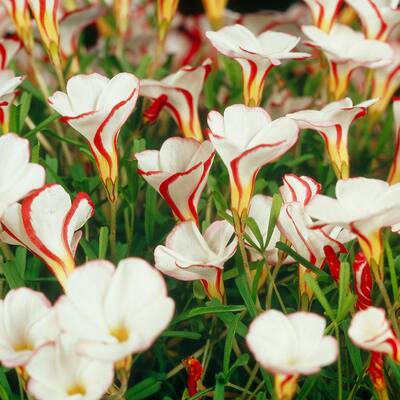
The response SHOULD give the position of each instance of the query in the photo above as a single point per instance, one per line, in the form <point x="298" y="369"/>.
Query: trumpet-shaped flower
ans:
<point x="179" y="93"/>
<point x="58" y="371"/>
<point x="114" y="311"/>
<point x="18" y="177"/>
<point x="289" y="346"/>
<point x="362" y="281"/>
<point x="18" y="11"/>
<point x="166" y="10"/>
<point x="27" y="321"/>
<point x="246" y="139"/>
<point x="8" y="49"/>
<point x="47" y="223"/>
<point x="73" y="22"/>
<point x="324" y="12"/>
<point x="394" y="174"/>
<point x="297" y="192"/>
<point x="97" y="107"/>
<point x="333" y="122"/>
<point x="385" y="82"/>
<point x="188" y="255"/>
<point x="257" y="55"/>
<point x="347" y="50"/>
<point x="8" y="93"/>
<point x="370" y="330"/>
<point x="46" y="17"/>
<point x="215" y="12"/>
<point x="260" y="211"/>
<point x="378" y="17"/>
<point x="364" y="206"/>
<point x="178" y="172"/>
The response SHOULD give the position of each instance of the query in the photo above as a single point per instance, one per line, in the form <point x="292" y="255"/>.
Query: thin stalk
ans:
<point x="113" y="229"/>
<point x="251" y="380"/>
<point x="339" y="365"/>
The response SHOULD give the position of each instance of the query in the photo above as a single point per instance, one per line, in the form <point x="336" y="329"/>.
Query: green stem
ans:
<point x="113" y="229"/>
<point x="339" y="365"/>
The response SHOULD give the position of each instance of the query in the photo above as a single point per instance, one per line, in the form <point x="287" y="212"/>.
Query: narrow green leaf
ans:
<point x="25" y="105"/>
<point x="182" y="334"/>
<point x="12" y="275"/>
<point x="392" y="268"/>
<point x="310" y="280"/>
<point x="197" y="311"/>
<point x="252" y="224"/>
<point x="244" y="291"/>
<point x="149" y="213"/>
<point x="40" y="126"/>
<point x="103" y="242"/>
<point x="228" y="343"/>
<point x="219" y="391"/>
<point x="273" y="217"/>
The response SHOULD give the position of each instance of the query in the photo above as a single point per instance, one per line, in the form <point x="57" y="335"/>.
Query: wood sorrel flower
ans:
<point x="178" y="172"/>
<point x="215" y="12"/>
<point x="378" y="17"/>
<point x="97" y="107"/>
<point x="347" y="50"/>
<point x="289" y="346"/>
<point x="385" y="82"/>
<point x="114" y="311"/>
<point x="166" y="10"/>
<point x="333" y="122"/>
<point x="362" y="281"/>
<point x="179" y="93"/>
<point x="8" y="93"/>
<point x="47" y="223"/>
<point x="8" y="49"/>
<point x="324" y="12"/>
<point x="370" y="330"/>
<point x="246" y="139"/>
<point x="297" y="192"/>
<point x="73" y="22"/>
<point x="18" y="11"/>
<point x="27" y="321"/>
<point x="58" y="371"/>
<point x="188" y="255"/>
<point x="257" y="55"/>
<point x="394" y="174"/>
<point x="46" y="17"/>
<point x="18" y="177"/>
<point x="364" y="206"/>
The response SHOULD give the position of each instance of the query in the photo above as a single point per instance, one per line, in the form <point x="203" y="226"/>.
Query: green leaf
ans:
<point x="149" y="213"/>
<point x="241" y="283"/>
<point x="313" y="284"/>
<point x="202" y="393"/>
<point x="12" y="275"/>
<point x="392" y="269"/>
<point x="143" y="391"/>
<point x="241" y="361"/>
<point x="182" y="334"/>
<point x="273" y="217"/>
<point x="252" y="224"/>
<point x="25" y="105"/>
<point x="20" y="260"/>
<point x="219" y="391"/>
<point x="42" y="125"/>
<point x="198" y="311"/>
<point x="303" y="261"/>
<point x="103" y="242"/>
<point x="228" y="344"/>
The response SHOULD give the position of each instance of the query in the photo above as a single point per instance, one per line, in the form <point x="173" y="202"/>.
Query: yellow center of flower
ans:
<point x="76" y="389"/>
<point x="121" y="333"/>
<point x="23" y="345"/>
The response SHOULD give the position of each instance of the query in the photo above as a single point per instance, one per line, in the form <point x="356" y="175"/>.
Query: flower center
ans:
<point x="76" y="389"/>
<point x="23" y="345"/>
<point x="121" y="333"/>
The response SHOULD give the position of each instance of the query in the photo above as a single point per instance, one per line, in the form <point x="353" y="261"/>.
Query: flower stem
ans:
<point x="113" y="229"/>
<point x="339" y="365"/>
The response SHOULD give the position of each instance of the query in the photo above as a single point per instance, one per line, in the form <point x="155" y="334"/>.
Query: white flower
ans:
<point x="114" y="311"/>
<point x="179" y="93"/>
<point x="18" y="177"/>
<point x="255" y="54"/>
<point x="333" y="122"/>
<point x="364" y="206"/>
<point x="58" y="372"/>
<point x="97" y="107"/>
<point x="188" y="255"/>
<point x="378" y="17"/>
<point x="8" y="49"/>
<point x="48" y="223"/>
<point x="27" y="321"/>
<point x="246" y="139"/>
<point x="290" y="345"/>
<point x="347" y="50"/>
<point x="179" y="172"/>
<point x="324" y="12"/>
<point x="370" y="330"/>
